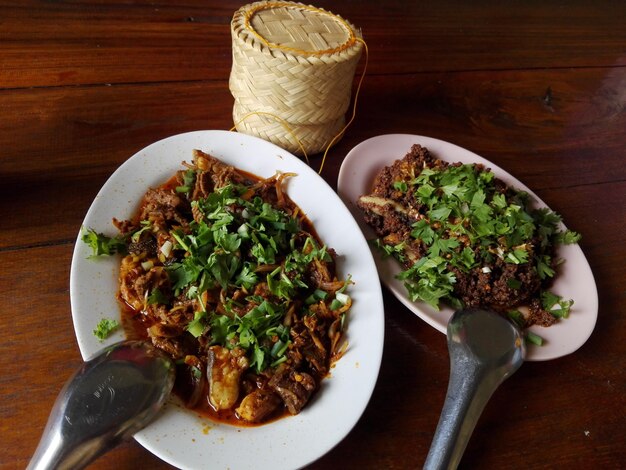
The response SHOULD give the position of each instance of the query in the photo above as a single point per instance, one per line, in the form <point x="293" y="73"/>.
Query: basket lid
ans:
<point x="294" y="28"/>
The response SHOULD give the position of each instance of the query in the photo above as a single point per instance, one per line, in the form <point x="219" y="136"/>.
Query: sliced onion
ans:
<point x="166" y="248"/>
<point x="343" y="298"/>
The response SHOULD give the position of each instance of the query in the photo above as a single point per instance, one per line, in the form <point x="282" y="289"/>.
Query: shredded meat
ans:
<point x="147" y="246"/>
<point x="217" y="374"/>
<point x="164" y="208"/>
<point x="294" y="388"/>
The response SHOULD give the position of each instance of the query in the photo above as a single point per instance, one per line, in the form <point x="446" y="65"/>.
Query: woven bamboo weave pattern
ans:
<point x="294" y="62"/>
<point x="313" y="138"/>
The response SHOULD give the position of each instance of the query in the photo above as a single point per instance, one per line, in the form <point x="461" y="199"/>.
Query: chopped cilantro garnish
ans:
<point x="197" y="325"/>
<point x="568" y="237"/>
<point x="555" y="304"/>
<point x="401" y="186"/>
<point x="429" y="280"/>
<point x="189" y="178"/>
<point x="146" y="225"/>
<point x="234" y="239"/>
<point x="261" y="326"/>
<point x="103" y="245"/>
<point x="216" y="247"/>
<point x="517" y="256"/>
<point x="105" y="328"/>
<point x="246" y="278"/>
<point x="467" y="220"/>
<point x="234" y="244"/>
<point x="544" y="268"/>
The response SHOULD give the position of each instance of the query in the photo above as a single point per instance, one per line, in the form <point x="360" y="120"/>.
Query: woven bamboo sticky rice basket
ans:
<point x="292" y="73"/>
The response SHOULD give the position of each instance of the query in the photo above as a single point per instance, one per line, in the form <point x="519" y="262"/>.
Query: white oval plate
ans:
<point x="179" y="436"/>
<point x="574" y="280"/>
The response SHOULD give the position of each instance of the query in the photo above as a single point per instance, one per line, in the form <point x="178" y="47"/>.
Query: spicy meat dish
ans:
<point x="465" y="238"/>
<point x="225" y="273"/>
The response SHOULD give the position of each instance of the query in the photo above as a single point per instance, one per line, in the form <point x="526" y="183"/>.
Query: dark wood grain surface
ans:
<point x="537" y="87"/>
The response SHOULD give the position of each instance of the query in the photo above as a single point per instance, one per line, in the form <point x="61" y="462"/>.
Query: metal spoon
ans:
<point x="485" y="349"/>
<point x="110" y="398"/>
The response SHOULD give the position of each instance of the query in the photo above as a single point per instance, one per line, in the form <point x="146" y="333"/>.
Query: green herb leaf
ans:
<point x="532" y="338"/>
<point x="517" y="257"/>
<point x="102" y="245"/>
<point x="105" y="328"/>
<point x="544" y="268"/>
<point x="146" y="225"/>
<point x="157" y="297"/>
<point x="441" y="213"/>
<point x="197" y="325"/>
<point x="189" y="178"/>
<point x="262" y="324"/>
<point x="555" y="304"/>
<point x="568" y="237"/>
<point x="400" y="186"/>
<point x="423" y="231"/>
<point x="247" y="278"/>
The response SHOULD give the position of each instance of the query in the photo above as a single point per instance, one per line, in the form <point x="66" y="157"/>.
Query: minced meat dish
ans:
<point x="465" y="238"/>
<point x="224" y="273"/>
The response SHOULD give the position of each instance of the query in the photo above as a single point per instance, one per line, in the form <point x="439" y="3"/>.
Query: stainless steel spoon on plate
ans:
<point x="485" y="349"/>
<point x="110" y="398"/>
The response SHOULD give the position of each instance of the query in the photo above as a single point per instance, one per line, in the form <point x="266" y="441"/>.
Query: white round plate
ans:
<point x="574" y="280"/>
<point x="179" y="436"/>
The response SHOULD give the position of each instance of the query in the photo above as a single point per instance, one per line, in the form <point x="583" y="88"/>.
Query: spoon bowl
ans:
<point x="107" y="400"/>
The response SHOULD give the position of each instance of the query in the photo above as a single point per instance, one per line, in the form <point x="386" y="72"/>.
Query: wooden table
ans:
<point x="538" y="88"/>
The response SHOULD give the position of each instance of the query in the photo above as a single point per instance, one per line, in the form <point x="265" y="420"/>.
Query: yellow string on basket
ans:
<point x="286" y="125"/>
<point x="356" y="97"/>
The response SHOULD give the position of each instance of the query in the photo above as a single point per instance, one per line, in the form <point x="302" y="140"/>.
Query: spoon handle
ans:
<point x="468" y="392"/>
<point x="484" y="349"/>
